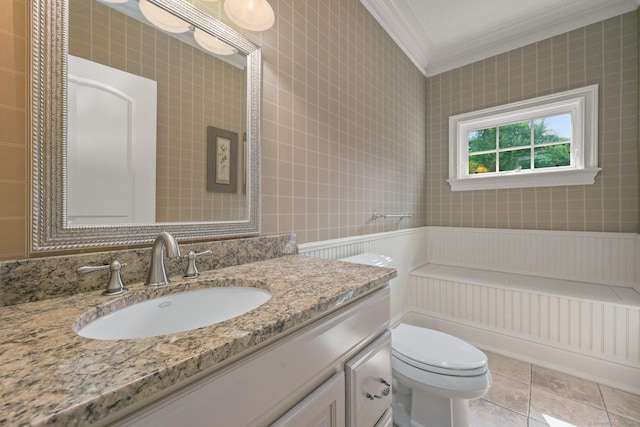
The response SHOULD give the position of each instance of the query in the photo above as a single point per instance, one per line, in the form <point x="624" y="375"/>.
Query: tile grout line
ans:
<point x="505" y="408"/>
<point x="604" y="404"/>
<point x="532" y="421"/>
<point x="582" y="402"/>
<point x="530" y="388"/>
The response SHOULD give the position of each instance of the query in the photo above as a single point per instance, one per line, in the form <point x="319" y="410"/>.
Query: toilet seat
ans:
<point x="436" y="352"/>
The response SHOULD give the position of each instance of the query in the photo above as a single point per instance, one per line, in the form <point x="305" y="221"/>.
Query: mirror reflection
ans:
<point x="142" y="103"/>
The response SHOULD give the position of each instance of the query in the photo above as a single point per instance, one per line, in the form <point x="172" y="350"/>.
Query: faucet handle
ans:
<point x="115" y="285"/>
<point x="192" y="269"/>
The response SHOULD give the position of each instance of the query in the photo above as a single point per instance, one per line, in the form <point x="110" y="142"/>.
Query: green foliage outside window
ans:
<point x="552" y="156"/>
<point x="517" y="135"/>
<point x="482" y="163"/>
<point x="515" y="160"/>
<point x="482" y="140"/>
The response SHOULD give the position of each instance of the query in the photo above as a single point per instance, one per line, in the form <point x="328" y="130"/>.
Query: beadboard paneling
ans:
<point x="599" y="329"/>
<point x="608" y="258"/>
<point x="407" y="248"/>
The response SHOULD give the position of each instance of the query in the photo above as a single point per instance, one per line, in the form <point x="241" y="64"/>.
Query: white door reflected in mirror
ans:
<point x="111" y="147"/>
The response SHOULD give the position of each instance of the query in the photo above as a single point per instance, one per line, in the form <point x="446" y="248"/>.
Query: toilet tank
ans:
<point x="369" y="258"/>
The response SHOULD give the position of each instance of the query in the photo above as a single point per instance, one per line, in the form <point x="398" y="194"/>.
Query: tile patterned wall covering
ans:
<point x="605" y="53"/>
<point x="14" y="175"/>
<point x="344" y="124"/>
<point x="194" y="91"/>
<point x="343" y="131"/>
<point x="346" y="127"/>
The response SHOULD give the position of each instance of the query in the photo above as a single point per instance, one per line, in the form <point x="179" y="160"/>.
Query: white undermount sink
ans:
<point x="174" y="313"/>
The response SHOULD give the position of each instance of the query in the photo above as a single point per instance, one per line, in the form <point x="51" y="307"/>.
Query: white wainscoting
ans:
<point x="407" y="248"/>
<point x="565" y="323"/>
<point x="608" y="258"/>
<point x="607" y="334"/>
<point x="580" y="335"/>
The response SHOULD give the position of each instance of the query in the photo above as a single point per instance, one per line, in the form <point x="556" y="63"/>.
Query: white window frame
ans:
<point x="581" y="103"/>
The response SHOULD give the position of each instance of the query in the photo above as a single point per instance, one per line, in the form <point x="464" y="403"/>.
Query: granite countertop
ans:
<point x="51" y="376"/>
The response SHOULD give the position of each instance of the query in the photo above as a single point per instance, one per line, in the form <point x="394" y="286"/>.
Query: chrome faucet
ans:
<point x="157" y="273"/>
<point x="115" y="285"/>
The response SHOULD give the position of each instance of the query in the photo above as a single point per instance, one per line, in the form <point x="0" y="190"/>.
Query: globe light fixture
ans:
<point x="253" y="15"/>
<point x="162" y="19"/>
<point x="212" y="44"/>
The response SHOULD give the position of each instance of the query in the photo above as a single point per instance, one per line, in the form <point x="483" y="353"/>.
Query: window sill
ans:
<point x="526" y="180"/>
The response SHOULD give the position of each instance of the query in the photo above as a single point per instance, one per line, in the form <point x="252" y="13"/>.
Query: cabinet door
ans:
<point x="386" y="420"/>
<point x="324" y="407"/>
<point x="369" y="383"/>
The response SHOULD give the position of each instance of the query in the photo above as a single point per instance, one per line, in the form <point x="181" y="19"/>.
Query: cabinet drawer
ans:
<point x="324" y="407"/>
<point x="368" y="383"/>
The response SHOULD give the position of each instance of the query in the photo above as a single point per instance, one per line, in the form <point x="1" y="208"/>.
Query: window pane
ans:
<point x="515" y="135"/>
<point x="515" y="160"/>
<point x="552" y="156"/>
<point x="482" y="140"/>
<point x="482" y="163"/>
<point x="552" y="129"/>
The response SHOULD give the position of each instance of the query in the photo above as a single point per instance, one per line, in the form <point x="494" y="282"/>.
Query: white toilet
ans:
<point x="434" y="374"/>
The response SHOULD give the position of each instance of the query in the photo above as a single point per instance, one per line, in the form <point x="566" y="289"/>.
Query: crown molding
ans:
<point x="513" y="37"/>
<point x="402" y="25"/>
<point x="399" y="22"/>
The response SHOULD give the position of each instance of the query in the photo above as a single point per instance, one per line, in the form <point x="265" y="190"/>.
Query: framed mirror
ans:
<point x="176" y="147"/>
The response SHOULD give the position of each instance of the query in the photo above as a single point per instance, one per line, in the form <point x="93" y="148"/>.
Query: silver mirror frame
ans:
<point x="48" y="108"/>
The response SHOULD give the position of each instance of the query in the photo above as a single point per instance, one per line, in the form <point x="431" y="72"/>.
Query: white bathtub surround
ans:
<point x="568" y="301"/>
<point x="601" y="258"/>
<point x="564" y="300"/>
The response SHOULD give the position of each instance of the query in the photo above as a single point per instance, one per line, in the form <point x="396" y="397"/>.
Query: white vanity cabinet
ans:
<point x="324" y="407"/>
<point x="366" y="393"/>
<point x="317" y="376"/>
<point x="386" y="420"/>
<point x="368" y="381"/>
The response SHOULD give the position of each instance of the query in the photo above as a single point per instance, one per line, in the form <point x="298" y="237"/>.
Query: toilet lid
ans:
<point x="436" y="351"/>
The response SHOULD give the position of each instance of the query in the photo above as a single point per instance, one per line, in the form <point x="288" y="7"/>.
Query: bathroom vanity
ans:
<point x="317" y="352"/>
<point x="299" y="380"/>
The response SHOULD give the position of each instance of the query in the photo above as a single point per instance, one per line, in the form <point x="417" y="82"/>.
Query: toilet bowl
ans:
<point x="434" y="374"/>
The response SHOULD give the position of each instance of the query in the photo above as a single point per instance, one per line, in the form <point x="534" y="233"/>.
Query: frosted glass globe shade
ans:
<point x="162" y="19"/>
<point x="254" y="15"/>
<point x="212" y="44"/>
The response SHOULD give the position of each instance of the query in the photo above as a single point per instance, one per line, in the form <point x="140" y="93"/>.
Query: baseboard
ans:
<point x="602" y="371"/>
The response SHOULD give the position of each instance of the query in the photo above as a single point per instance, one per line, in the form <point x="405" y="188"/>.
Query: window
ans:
<point x="545" y="141"/>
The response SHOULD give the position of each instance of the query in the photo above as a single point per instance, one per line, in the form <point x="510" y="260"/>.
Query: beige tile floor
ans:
<point x="526" y="395"/>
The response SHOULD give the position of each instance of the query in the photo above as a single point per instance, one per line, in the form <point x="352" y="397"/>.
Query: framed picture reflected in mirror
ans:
<point x="222" y="160"/>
